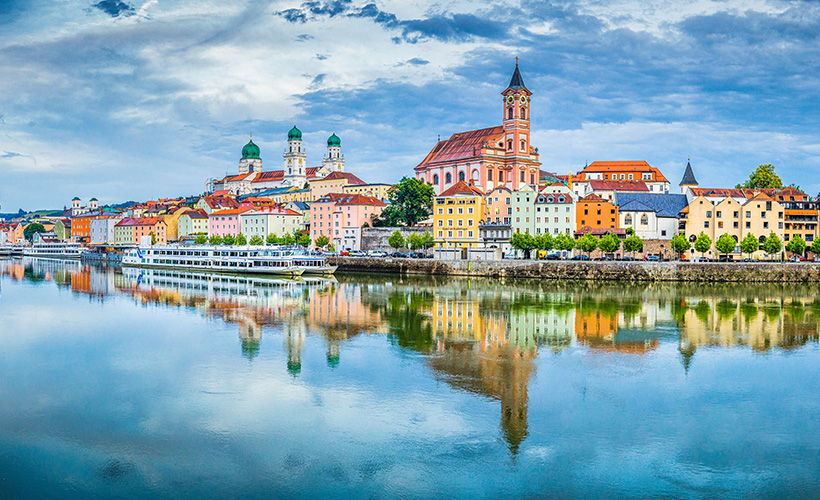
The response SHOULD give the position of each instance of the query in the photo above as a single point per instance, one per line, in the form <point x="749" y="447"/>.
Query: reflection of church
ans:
<point x="294" y="174"/>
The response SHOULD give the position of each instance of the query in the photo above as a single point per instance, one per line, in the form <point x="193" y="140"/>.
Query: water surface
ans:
<point x="145" y="384"/>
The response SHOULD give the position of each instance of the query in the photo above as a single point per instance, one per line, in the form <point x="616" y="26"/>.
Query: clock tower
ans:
<point x="516" y="100"/>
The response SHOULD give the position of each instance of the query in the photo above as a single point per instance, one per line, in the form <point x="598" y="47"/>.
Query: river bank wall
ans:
<point x="706" y="272"/>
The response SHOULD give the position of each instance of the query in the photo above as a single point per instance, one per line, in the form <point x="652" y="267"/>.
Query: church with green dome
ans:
<point x="295" y="173"/>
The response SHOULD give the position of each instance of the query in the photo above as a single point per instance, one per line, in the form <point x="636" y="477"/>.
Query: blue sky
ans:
<point x="130" y="100"/>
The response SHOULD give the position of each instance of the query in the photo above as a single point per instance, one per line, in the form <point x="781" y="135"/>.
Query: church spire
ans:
<point x="516" y="82"/>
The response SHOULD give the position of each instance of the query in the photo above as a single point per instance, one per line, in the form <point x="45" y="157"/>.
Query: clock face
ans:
<point x="523" y="99"/>
<point x="510" y="99"/>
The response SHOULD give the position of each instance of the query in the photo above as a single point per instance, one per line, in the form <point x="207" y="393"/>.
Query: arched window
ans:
<point x="500" y="176"/>
<point x="560" y="199"/>
<point x="475" y="175"/>
<point x="448" y="178"/>
<point x="509" y="145"/>
<point x="523" y="145"/>
<point x="628" y="220"/>
<point x="762" y="239"/>
<point x="550" y="199"/>
<point x="461" y="176"/>
<point x="735" y="237"/>
<point x="509" y="113"/>
<point x="644" y="220"/>
<point x="523" y="113"/>
<point x="435" y="178"/>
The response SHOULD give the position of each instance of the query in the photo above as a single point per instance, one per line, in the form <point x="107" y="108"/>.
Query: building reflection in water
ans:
<point x="483" y="337"/>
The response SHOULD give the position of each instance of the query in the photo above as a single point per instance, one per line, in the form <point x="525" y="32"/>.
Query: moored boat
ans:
<point x="54" y="250"/>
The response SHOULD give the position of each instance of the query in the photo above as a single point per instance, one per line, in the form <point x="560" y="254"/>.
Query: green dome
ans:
<point x="294" y="134"/>
<point x="250" y="150"/>
<point x="334" y="140"/>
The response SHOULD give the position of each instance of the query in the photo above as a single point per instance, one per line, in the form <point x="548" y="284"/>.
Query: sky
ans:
<point x="134" y="100"/>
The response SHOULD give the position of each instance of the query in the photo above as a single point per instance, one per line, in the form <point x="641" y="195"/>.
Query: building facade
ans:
<point x="457" y="215"/>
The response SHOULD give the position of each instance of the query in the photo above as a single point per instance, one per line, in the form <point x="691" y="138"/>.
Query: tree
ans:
<point x="303" y="240"/>
<point x="396" y="240"/>
<point x="633" y="244"/>
<point x="411" y="201"/>
<point x="215" y="239"/>
<point x="229" y="239"/>
<point x="240" y="240"/>
<point x="564" y="242"/>
<point x="588" y="243"/>
<point x="772" y="245"/>
<point x="763" y="177"/>
<point x="609" y="243"/>
<point x="749" y="244"/>
<point x="703" y="243"/>
<point x="796" y="245"/>
<point x="32" y="229"/>
<point x="201" y="239"/>
<point x="815" y="246"/>
<point x="288" y="240"/>
<point x="630" y="231"/>
<point x="153" y="237"/>
<point x="524" y="242"/>
<point x="680" y="244"/>
<point x="414" y="241"/>
<point x="322" y="241"/>
<point x="725" y="244"/>
<point x="272" y="239"/>
<point x="426" y="239"/>
<point x="256" y="240"/>
<point x="544" y="242"/>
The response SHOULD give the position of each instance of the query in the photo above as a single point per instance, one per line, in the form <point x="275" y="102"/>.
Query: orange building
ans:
<point x="490" y="157"/>
<point x="81" y="224"/>
<point x="594" y="212"/>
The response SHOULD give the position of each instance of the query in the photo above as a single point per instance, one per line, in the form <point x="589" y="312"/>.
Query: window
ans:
<point x="435" y="180"/>
<point x="663" y="232"/>
<point x="630" y="177"/>
<point x="448" y="178"/>
<point x="440" y="211"/>
<point x="470" y="210"/>
<point x="450" y="210"/>
<point x="523" y="145"/>
<point x="522" y="176"/>
<point x="736" y="215"/>
<point x="644" y="220"/>
<point x="532" y="179"/>
<point x="523" y="113"/>
<point x="735" y="225"/>
<point x="718" y="213"/>
<point x="509" y="115"/>
<point x="628" y="219"/>
<point x="748" y="215"/>
<point x="748" y="225"/>
<point x="768" y="205"/>
<point x="490" y="177"/>
<point x="720" y="223"/>
<point x="765" y="225"/>
<point x="709" y="213"/>
<point x="461" y="176"/>
<point x="510" y="145"/>
<point x="460" y="210"/>
<point x="706" y="223"/>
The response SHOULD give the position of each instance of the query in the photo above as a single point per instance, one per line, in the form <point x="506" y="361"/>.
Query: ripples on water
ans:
<point x="143" y="384"/>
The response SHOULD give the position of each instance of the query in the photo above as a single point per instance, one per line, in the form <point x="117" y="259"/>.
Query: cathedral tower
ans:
<point x="295" y="159"/>
<point x="334" y="161"/>
<point x="250" y="161"/>
<point x="516" y="99"/>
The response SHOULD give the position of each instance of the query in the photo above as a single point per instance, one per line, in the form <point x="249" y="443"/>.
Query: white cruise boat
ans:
<point x="225" y="259"/>
<point x="54" y="250"/>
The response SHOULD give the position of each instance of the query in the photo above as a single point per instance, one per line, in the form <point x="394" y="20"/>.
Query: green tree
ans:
<point x="240" y="240"/>
<point x="288" y="240"/>
<point x="609" y="243"/>
<point x="256" y="240"/>
<point x="414" y="241"/>
<point x="588" y="243"/>
<point x="32" y="229"/>
<point x="544" y="242"/>
<point x="304" y="240"/>
<point x="629" y="231"/>
<point x="229" y="239"/>
<point x="396" y="240"/>
<point x="725" y="244"/>
<point x="815" y="246"/>
<point x="772" y="245"/>
<point x="564" y="242"/>
<point x="680" y="244"/>
<point x="796" y="245"/>
<point x="633" y="244"/>
<point x="322" y="241"/>
<point x="703" y="243"/>
<point x="524" y="242"/>
<point x="763" y="177"/>
<point x="153" y="237"/>
<point x="426" y="240"/>
<point x="215" y="239"/>
<point x="201" y="239"/>
<point x="411" y="201"/>
<point x="749" y="244"/>
<point x="272" y="239"/>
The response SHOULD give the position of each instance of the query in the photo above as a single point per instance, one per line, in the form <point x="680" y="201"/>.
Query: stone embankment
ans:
<point x="752" y="272"/>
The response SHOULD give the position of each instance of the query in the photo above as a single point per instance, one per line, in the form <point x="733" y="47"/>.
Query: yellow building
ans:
<point x="734" y="212"/>
<point x="290" y="195"/>
<point x="379" y="191"/>
<point x="457" y="213"/>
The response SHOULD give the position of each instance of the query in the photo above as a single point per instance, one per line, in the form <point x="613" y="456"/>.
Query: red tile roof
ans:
<point x="636" y="186"/>
<point x="230" y="211"/>
<point x="461" y="146"/>
<point x="360" y="199"/>
<point x="274" y="175"/>
<point x="623" y="166"/>
<point x="462" y="187"/>
<point x="351" y="179"/>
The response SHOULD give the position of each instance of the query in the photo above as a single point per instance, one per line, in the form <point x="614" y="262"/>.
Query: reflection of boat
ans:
<point x="54" y="249"/>
<point x="313" y="264"/>
<point x="8" y="251"/>
<point x="243" y="260"/>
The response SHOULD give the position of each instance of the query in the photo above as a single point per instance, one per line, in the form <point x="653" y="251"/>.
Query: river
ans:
<point x="123" y="383"/>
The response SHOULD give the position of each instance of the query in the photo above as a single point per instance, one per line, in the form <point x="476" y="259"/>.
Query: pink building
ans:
<point x="331" y="214"/>
<point x="225" y="222"/>
<point x="499" y="206"/>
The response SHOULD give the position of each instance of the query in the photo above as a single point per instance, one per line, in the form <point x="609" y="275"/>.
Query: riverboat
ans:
<point x="237" y="259"/>
<point x="54" y="250"/>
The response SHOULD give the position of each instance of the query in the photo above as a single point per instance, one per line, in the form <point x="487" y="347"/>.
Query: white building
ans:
<point x="652" y="216"/>
<point x="555" y="210"/>
<point x="102" y="230"/>
<point x="278" y="221"/>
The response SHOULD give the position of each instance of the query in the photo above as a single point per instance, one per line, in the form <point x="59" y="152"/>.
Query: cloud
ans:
<point x="115" y="8"/>
<point x="416" y="61"/>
